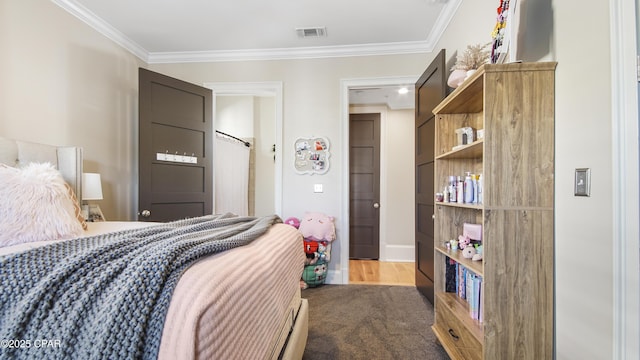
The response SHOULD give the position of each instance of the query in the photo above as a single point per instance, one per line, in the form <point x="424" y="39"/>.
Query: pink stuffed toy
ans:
<point x="317" y="226"/>
<point x="463" y="241"/>
<point x="293" y="221"/>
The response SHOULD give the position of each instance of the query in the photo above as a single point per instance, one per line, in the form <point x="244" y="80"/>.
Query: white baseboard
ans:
<point x="334" y="277"/>
<point x="398" y="253"/>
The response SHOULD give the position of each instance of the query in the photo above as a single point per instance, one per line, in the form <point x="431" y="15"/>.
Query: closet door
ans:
<point x="431" y="88"/>
<point x="364" y="191"/>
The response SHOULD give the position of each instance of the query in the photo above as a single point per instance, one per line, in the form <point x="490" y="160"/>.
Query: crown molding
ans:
<point x="446" y="15"/>
<point x="291" y="53"/>
<point x="411" y="47"/>
<point x="104" y="28"/>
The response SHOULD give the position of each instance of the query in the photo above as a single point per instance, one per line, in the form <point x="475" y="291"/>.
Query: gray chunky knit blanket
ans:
<point x="106" y="297"/>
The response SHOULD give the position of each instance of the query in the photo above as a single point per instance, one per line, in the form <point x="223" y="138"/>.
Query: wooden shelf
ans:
<point x="475" y="266"/>
<point x="466" y="98"/>
<point x="514" y="104"/>
<point x="458" y="205"/>
<point x="469" y="96"/>
<point x="471" y="151"/>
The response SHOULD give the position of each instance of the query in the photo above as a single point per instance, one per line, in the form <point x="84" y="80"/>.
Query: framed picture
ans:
<point x="312" y="155"/>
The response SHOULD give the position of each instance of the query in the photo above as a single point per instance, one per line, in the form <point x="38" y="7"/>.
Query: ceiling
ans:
<point x="159" y="31"/>
<point x="384" y="95"/>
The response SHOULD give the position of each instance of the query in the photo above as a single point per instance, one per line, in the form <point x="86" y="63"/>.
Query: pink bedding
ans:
<point x="234" y="305"/>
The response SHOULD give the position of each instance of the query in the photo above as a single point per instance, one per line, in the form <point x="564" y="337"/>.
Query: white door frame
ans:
<point x="345" y="85"/>
<point x="265" y="88"/>
<point x="626" y="175"/>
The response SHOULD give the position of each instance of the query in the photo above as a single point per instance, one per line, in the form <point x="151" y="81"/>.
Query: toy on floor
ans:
<point x="293" y="221"/>
<point x="313" y="275"/>
<point x="317" y="226"/>
<point x="318" y="231"/>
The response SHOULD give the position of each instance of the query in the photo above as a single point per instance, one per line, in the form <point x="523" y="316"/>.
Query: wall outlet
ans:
<point x="317" y="188"/>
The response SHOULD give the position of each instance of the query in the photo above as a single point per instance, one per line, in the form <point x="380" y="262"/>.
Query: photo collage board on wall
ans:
<point x="312" y="155"/>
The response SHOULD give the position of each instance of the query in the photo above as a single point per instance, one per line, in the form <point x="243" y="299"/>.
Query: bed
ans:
<point x="235" y="294"/>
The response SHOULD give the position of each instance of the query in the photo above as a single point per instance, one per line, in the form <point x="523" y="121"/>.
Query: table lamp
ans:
<point x="91" y="190"/>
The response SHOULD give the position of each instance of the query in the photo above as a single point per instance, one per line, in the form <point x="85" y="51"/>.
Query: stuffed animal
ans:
<point x="313" y="276"/>
<point x="463" y="241"/>
<point x="293" y="221"/>
<point x="317" y="226"/>
<point x="318" y="230"/>
<point x="478" y="255"/>
<point x="311" y="252"/>
<point x="468" y="252"/>
<point x="324" y="251"/>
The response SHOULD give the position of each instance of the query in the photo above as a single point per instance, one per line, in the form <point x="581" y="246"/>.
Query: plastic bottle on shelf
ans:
<point x="460" y="190"/>
<point x="474" y="181"/>
<point x="480" y="190"/>
<point x="452" y="189"/>
<point x="468" y="189"/>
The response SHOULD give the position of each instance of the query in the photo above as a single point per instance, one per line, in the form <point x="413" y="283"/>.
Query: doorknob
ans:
<point x="376" y="205"/>
<point x="145" y="213"/>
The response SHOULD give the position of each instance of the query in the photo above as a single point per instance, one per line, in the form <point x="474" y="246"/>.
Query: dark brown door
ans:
<point x="431" y="88"/>
<point x="175" y="155"/>
<point x="364" y="180"/>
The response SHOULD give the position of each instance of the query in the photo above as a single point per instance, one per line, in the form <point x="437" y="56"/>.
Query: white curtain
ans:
<point x="232" y="176"/>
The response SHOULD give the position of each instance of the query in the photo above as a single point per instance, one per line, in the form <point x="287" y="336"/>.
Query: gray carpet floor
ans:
<point x="370" y="322"/>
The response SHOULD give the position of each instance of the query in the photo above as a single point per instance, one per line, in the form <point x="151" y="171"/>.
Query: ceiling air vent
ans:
<point x="312" y="32"/>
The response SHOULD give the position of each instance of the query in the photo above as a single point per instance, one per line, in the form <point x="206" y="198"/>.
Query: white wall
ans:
<point x="61" y="83"/>
<point x="234" y="115"/>
<point x="265" y="138"/>
<point x="584" y="287"/>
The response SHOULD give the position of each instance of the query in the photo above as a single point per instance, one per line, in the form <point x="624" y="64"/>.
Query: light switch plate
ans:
<point x="582" y="186"/>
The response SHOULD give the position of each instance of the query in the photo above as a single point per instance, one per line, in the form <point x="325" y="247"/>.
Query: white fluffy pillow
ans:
<point x="35" y="205"/>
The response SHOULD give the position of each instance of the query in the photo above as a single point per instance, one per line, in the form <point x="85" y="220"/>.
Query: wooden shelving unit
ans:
<point x="514" y="104"/>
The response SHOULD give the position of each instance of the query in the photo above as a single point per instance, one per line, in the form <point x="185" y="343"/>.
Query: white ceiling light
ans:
<point x="403" y="90"/>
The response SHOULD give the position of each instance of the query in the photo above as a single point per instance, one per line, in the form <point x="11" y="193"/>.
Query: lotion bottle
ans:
<point x="452" y="189"/>
<point x="474" y="180"/>
<point x="468" y="189"/>
<point x="460" y="190"/>
<point x="480" y="190"/>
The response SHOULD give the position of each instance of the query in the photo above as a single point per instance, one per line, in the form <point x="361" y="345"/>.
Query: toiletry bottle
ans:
<point x="460" y="190"/>
<point x="474" y="180"/>
<point x="468" y="189"/>
<point x="480" y="190"/>
<point x="445" y="194"/>
<point x="452" y="189"/>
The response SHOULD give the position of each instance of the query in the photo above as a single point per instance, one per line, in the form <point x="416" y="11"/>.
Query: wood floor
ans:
<point x="374" y="272"/>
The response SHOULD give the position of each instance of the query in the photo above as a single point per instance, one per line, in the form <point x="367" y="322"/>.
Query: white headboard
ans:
<point x="67" y="159"/>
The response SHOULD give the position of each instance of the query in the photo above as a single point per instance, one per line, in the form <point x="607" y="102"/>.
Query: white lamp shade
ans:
<point x="91" y="186"/>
